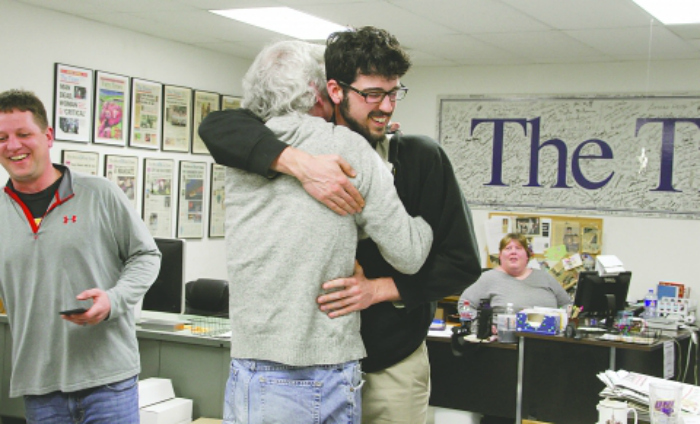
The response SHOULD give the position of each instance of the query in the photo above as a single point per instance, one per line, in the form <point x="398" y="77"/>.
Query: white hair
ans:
<point x="285" y="77"/>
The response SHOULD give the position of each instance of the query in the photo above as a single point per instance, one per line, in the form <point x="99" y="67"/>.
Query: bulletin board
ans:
<point x="561" y="245"/>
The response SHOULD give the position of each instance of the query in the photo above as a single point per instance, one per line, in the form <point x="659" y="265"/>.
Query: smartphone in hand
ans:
<point x="76" y="307"/>
<point x="73" y="311"/>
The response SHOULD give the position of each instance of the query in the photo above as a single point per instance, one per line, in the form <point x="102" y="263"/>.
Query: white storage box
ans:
<point x="173" y="411"/>
<point x="155" y="390"/>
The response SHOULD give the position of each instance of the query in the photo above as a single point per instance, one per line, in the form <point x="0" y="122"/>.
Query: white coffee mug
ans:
<point x="614" y="412"/>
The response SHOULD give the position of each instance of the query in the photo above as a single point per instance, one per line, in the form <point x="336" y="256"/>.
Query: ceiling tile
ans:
<point x="543" y="46"/>
<point x="436" y="32"/>
<point x="635" y="42"/>
<point x="471" y="16"/>
<point x="578" y="14"/>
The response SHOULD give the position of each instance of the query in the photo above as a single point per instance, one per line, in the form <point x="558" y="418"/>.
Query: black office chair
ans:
<point x="207" y="297"/>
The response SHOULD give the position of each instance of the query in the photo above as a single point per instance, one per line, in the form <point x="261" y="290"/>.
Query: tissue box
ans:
<point x="172" y="411"/>
<point x="540" y="322"/>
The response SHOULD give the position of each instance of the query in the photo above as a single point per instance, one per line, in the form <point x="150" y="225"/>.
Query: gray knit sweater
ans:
<point x="282" y="245"/>
<point x="538" y="289"/>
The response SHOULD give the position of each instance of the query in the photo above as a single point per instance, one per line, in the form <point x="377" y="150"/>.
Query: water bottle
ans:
<point x="484" y="319"/>
<point x="506" y="325"/>
<point x="467" y="314"/>
<point x="650" y="304"/>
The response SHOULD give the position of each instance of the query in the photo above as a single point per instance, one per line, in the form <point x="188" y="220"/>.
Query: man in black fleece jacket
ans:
<point x="363" y="69"/>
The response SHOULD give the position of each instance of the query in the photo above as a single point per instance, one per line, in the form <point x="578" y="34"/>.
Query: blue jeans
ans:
<point x="263" y="392"/>
<point x="109" y="404"/>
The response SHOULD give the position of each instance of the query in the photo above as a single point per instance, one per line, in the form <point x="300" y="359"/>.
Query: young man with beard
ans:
<point x="363" y="69"/>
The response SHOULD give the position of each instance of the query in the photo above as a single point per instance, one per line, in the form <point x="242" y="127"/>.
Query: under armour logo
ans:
<point x="67" y="219"/>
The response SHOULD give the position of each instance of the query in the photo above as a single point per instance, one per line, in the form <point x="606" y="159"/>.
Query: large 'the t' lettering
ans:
<point x="668" y="134"/>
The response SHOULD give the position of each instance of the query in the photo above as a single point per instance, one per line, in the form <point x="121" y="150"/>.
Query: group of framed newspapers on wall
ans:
<point x="107" y="108"/>
<point x="103" y="108"/>
<point x="161" y="179"/>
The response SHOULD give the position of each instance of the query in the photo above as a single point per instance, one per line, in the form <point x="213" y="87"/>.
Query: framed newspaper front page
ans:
<point x="80" y="161"/>
<point x="146" y="114"/>
<point x="111" y="112"/>
<point x="217" y="208"/>
<point x="157" y="196"/>
<point x="230" y="102"/>
<point x="191" y="199"/>
<point x="177" y="119"/>
<point x="124" y="172"/>
<point x="73" y="88"/>
<point x="205" y="102"/>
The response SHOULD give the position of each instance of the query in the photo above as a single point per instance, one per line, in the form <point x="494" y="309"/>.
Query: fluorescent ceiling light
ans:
<point x="284" y="21"/>
<point x="672" y="12"/>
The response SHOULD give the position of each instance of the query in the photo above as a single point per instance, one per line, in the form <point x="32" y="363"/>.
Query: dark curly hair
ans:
<point x="364" y="51"/>
<point x="24" y="101"/>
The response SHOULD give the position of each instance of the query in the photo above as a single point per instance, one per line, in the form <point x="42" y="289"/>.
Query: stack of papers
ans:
<point x="633" y="388"/>
<point x="162" y="324"/>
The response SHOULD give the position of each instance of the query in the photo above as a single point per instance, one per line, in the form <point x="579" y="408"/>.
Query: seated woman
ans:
<point x="513" y="282"/>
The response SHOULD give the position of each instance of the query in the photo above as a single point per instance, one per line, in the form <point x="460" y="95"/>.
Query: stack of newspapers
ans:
<point x="633" y="388"/>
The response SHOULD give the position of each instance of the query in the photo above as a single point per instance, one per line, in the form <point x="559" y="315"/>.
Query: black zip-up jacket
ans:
<point x="426" y="184"/>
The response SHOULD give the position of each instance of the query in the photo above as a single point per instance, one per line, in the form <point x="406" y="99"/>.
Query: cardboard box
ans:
<point x="155" y="390"/>
<point x="172" y="411"/>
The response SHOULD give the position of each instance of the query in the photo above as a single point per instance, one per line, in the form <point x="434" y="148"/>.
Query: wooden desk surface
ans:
<point x="445" y="336"/>
<point x="591" y="341"/>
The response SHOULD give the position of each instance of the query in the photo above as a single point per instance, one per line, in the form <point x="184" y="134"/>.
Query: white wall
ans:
<point x="34" y="39"/>
<point x="653" y="249"/>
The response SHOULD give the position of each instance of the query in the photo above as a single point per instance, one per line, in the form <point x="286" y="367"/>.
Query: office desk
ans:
<point x="559" y="383"/>
<point x="550" y="378"/>
<point x="197" y="366"/>
<point x="483" y="380"/>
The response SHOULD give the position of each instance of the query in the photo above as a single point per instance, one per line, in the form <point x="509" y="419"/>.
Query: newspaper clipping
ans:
<point x="230" y="102"/>
<point x="191" y="199"/>
<point x="157" y="202"/>
<point x="176" y="123"/>
<point x="85" y="162"/>
<point x="123" y="171"/>
<point x="217" y="212"/>
<point x="145" y="131"/>
<point x="204" y="104"/>
<point x="73" y="103"/>
<point x="111" y="109"/>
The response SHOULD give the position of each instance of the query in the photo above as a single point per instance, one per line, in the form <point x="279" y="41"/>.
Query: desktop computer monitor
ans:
<point x="602" y="296"/>
<point x="165" y="295"/>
